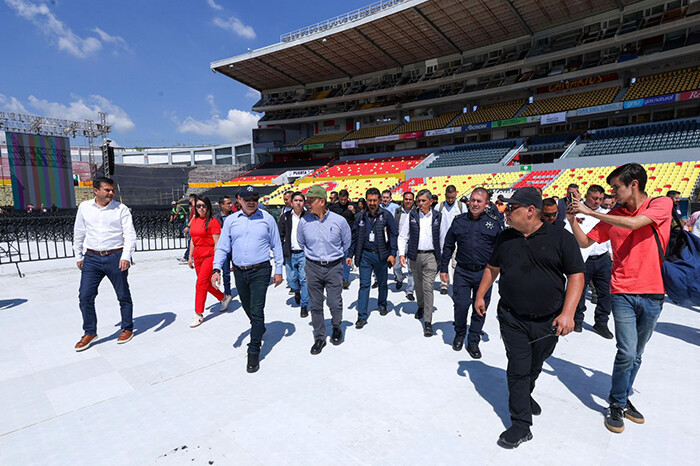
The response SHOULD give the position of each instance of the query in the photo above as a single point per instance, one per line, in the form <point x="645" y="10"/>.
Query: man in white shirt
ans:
<point x="419" y="241"/>
<point x="294" y="259"/>
<point x="104" y="241"/>
<point x="598" y="267"/>
<point x="449" y="209"/>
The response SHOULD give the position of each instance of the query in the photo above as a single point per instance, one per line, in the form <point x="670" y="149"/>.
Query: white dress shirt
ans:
<point x="425" y="239"/>
<point x="448" y="214"/>
<point x="295" y="228"/>
<point x="103" y="229"/>
<point x="587" y="224"/>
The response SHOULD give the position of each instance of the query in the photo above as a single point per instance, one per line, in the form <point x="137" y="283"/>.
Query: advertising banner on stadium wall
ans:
<point x="510" y="122"/>
<point x="502" y="193"/>
<point x="690" y="95"/>
<point x="477" y="127"/>
<point x="391" y="137"/>
<point x="660" y="99"/>
<point x="552" y="118"/>
<point x="599" y="109"/>
<point x="590" y="81"/>
<point x="413" y="135"/>
<point x="297" y="173"/>
<point x="440" y="132"/>
<point x="634" y="103"/>
<point x="348" y="144"/>
<point x="313" y="146"/>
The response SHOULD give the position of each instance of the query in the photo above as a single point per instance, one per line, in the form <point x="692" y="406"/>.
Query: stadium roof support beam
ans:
<point x="543" y="11"/>
<point x="519" y="16"/>
<point x="620" y="5"/>
<point x="274" y="68"/>
<point x="321" y="57"/>
<point x="384" y="52"/>
<point x="436" y="29"/>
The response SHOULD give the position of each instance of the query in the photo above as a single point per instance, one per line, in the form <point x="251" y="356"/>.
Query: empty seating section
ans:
<point x="326" y="137"/>
<point x="371" y="166"/>
<point x="490" y="112"/>
<point x="473" y="154"/>
<point x="539" y="179"/>
<point x="664" y="83"/>
<point x="427" y="125"/>
<point x="552" y="142"/>
<point x="571" y="101"/>
<point x="296" y="142"/>
<point x="679" y="176"/>
<point x="254" y="180"/>
<point x="662" y="136"/>
<point x="465" y="184"/>
<point x="356" y="187"/>
<point x="276" y="196"/>
<point x="372" y="131"/>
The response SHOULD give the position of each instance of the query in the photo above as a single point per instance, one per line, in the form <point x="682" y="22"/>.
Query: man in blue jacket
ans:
<point x="374" y="248"/>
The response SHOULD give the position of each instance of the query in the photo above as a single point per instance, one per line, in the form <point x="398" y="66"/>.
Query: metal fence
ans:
<point x="28" y="238"/>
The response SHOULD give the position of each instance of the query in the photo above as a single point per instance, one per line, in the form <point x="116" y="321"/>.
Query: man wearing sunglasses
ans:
<point x="532" y="257"/>
<point x="249" y="235"/>
<point x="549" y="211"/>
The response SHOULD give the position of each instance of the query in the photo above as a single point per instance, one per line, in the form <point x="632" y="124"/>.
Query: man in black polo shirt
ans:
<point x="532" y="257"/>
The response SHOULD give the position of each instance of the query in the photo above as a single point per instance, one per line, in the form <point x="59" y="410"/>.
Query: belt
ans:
<point x="326" y="263"/>
<point x="426" y="251"/>
<point x="297" y="251"/>
<point x="376" y="251"/>
<point x="104" y="253"/>
<point x="529" y="317"/>
<point x="472" y="267"/>
<point x="598" y="256"/>
<point x="251" y="267"/>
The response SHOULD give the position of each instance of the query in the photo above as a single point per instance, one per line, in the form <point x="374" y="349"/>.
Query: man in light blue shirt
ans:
<point x="386" y="202"/>
<point x="249" y="235"/>
<point x="324" y="236"/>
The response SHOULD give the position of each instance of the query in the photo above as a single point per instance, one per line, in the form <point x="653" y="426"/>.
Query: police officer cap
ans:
<point x="526" y="197"/>
<point x="317" y="191"/>
<point x="249" y="193"/>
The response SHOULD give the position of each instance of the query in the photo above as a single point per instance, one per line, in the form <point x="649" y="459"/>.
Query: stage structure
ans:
<point x="39" y="156"/>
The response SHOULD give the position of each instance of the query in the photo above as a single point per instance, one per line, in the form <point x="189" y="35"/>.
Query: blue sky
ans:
<point x="146" y="63"/>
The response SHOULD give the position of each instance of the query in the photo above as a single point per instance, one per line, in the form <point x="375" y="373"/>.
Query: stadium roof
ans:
<point x="405" y="32"/>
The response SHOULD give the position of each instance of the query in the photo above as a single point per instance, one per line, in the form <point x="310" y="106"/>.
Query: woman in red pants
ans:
<point x="205" y="231"/>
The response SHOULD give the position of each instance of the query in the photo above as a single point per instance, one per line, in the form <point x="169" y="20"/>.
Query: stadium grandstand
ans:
<point x="408" y="94"/>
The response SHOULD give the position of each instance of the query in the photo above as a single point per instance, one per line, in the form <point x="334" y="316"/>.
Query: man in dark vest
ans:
<point x="419" y="241"/>
<point x="294" y="258"/>
<point x="374" y="248"/>
<point x="346" y="210"/>
<point x="474" y="234"/>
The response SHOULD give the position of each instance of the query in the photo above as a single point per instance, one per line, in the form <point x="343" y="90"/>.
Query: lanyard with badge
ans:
<point x="371" y="228"/>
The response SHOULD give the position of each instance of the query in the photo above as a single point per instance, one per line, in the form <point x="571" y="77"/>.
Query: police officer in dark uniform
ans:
<point x="474" y="233"/>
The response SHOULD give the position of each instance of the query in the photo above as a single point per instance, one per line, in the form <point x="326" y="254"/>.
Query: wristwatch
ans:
<point x="216" y="271"/>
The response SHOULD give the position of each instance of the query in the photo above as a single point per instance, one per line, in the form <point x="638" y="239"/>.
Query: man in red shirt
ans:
<point x="636" y="284"/>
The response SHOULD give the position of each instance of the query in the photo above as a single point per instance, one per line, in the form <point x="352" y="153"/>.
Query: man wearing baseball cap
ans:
<point x="541" y="282"/>
<point x="249" y="235"/>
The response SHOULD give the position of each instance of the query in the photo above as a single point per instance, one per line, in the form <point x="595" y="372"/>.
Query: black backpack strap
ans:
<point x="656" y="236"/>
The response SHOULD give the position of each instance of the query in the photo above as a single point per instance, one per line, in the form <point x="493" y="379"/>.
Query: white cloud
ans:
<point x="12" y="105"/>
<point x="235" y="128"/>
<point x="85" y="109"/>
<point x="235" y="25"/>
<point x="42" y="17"/>
<point x="116" y="40"/>
<point x="252" y="94"/>
<point x="213" y="109"/>
<point x="215" y="5"/>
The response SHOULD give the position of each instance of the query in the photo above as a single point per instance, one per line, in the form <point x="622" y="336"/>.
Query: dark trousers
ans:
<point x="370" y="263"/>
<point x="466" y="283"/>
<point x="318" y="278"/>
<point x="95" y="268"/>
<point x="525" y="358"/>
<point x="598" y="270"/>
<point x="226" y="272"/>
<point x="252" y="290"/>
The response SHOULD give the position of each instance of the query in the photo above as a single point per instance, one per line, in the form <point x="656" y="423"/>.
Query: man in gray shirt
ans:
<point x="324" y="236"/>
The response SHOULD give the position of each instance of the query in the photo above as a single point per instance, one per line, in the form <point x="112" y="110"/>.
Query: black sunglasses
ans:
<point x="553" y="214"/>
<point x="201" y="206"/>
<point x="512" y="207"/>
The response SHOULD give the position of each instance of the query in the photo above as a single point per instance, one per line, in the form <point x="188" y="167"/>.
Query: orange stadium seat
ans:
<point x="566" y="102"/>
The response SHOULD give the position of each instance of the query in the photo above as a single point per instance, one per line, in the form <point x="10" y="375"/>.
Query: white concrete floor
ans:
<point x="386" y="395"/>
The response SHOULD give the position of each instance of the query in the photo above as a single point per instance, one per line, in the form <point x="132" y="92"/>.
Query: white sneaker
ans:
<point x="223" y="304"/>
<point x="197" y="321"/>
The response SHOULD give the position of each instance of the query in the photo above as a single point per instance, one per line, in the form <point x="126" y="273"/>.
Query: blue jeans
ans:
<point x="252" y="291"/>
<point x="370" y="262"/>
<point x="635" y="317"/>
<point x="95" y="268"/>
<point x="296" y="276"/>
<point x="226" y="272"/>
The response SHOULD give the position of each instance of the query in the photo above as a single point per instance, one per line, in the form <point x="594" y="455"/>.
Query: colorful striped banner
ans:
<point x="40" y="170"/>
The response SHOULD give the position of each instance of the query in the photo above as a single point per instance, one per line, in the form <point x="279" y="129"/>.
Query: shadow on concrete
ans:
<point x="687" y="334"/>
<point x="491" y="384"/>
<point x="582" y="381"/>
<point x="274" y="332"/>
<point x="10" y="303"/>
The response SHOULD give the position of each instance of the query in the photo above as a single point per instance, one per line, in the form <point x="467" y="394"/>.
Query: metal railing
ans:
<point x="29" y="238"/>
<point x="345" y="18"/>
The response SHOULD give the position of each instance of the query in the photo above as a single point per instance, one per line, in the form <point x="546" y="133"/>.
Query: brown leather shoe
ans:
<point x="85" y="342"/>
<point x="125" y="336"/>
